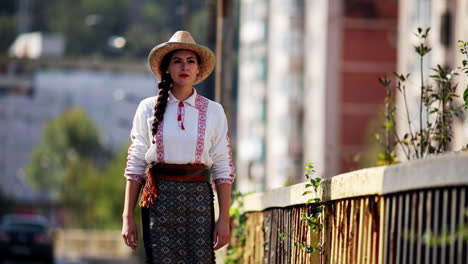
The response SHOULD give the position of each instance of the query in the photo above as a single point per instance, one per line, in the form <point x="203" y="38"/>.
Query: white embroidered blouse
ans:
<point x="192" y="131"/>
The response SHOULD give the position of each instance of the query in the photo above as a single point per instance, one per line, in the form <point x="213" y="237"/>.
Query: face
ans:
<point x="183" y="68"/>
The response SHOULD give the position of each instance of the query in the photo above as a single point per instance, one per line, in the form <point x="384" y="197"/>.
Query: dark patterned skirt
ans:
<point x="178" y="227"/>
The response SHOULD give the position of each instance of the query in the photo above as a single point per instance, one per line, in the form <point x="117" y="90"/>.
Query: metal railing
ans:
<point x="414" y="212"/>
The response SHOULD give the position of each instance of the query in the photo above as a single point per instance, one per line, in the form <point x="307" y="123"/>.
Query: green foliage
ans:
<point x="422" y="49"/>
<point x="69" y="137"/>
<point x="7" y="32"/>
<point x="437" y="100"/>
<point x="7" y="24"/>
<point x="238" y="219"/>
<point x="94" y="197"/>
<point x="314" y="214"/>
<point x="71" y="163"/>
<point x="385" y="138"/>
<point x="463" y="48"/>
<point x="89" y="24"/>
<point x="104" y="191"/>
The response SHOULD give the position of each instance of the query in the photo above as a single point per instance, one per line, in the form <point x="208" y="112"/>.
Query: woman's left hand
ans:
<point x="221" y="233"/>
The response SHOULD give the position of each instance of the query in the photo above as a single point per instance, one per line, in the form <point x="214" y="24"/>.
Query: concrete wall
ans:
<point x="436" y="172"/>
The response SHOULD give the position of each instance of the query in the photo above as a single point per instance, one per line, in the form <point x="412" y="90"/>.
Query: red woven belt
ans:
<point x="180" y="178"/>
<point x="170" y="172"/>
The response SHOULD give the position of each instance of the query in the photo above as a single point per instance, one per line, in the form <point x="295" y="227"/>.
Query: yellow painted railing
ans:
<point x="78" y="244"/>
<point x="414" y="212"/>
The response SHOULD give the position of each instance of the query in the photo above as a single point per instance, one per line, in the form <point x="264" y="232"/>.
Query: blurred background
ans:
<point x="298" y="80"/>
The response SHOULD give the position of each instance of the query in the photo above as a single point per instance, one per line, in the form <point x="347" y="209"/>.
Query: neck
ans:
<point x="182" y="92"/>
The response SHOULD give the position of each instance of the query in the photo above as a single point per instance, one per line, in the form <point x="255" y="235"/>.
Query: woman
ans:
<point x="178" y="137"/>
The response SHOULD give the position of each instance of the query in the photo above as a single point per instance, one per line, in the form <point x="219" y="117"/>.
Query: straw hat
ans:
<point x="182" y="40"/>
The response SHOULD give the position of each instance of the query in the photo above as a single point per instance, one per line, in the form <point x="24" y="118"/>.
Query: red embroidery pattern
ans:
<point x="201" y="103"/>
<point x="223" y="180"/>
<point x="130" y="161"/>
<point x="159" y="143"/>
<point x="135" y="177"/>
<point x="231" y="164"/>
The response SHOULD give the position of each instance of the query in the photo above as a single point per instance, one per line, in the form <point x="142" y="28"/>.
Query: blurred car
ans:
<point x="26" y="237"/>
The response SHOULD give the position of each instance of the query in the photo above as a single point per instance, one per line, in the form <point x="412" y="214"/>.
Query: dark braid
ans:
<point x="164" y="86"/>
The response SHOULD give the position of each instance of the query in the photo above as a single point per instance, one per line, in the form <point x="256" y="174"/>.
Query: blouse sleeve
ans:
<point x="223" y="170"/>
<point x="136" y="162"/>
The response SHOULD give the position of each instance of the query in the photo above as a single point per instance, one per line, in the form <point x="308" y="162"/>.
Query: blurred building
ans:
<point x="308" y="87"/>
<point x="30" y="96"/>
<point x="252" y="84"/>
<point x="285" y="92"/>
<point x="447" y="20"/>
<point x="369" y="51"/>
<point x="33" y="45"/>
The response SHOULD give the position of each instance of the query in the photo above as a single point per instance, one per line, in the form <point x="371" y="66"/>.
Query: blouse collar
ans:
<point x="190" y="100"/>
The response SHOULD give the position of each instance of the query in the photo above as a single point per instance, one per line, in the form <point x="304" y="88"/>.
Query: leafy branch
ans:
<point x="422" y="50"/>
<point x="238" y="219"/>
<point x="314" y="214"/>
<point x="463" y="48"/>
<point x="388" y="156"/>
<point x="437" y="101"/>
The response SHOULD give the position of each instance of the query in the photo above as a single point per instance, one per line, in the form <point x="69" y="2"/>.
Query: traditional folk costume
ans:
<point x="175" y="166"/>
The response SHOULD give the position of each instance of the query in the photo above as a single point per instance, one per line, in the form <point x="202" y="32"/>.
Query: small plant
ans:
<point x="463" y="46"/>
<point x="238" y="219"/>
<point x="437" y="108"/>
<point x="386" y="139"/>
<point x="314" y="214"/>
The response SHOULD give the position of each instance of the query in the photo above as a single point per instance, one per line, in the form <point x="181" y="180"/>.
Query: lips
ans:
<point x="183" y="75"/>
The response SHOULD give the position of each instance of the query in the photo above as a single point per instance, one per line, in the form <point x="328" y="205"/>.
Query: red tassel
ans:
<point x="180" y="112"/>
<point x="150" y="191"/>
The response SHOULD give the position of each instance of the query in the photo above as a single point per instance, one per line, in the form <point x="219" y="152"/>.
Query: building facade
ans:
<point x="252" y="84"/>
<point x="320" y="93"/>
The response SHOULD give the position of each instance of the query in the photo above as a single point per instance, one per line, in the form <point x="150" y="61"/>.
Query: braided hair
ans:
<point x="164" y="86"/>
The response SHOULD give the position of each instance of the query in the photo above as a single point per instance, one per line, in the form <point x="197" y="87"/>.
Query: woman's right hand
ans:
<point x="130" y="232"/>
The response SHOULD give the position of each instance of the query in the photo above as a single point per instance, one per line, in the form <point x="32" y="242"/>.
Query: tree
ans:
<point x="72" y="164"/>
<point x="89" y="24"/>
<point x="107" y="192"/>
<point x="94" y="197"/>
<point x="69" y="138"/>
<point x="7" y="24"/>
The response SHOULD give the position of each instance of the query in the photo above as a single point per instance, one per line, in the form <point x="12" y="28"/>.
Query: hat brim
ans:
<point x="206" y="64"/>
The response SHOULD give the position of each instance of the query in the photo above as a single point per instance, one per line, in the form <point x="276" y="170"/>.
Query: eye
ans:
<point x="191" y="61"/>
